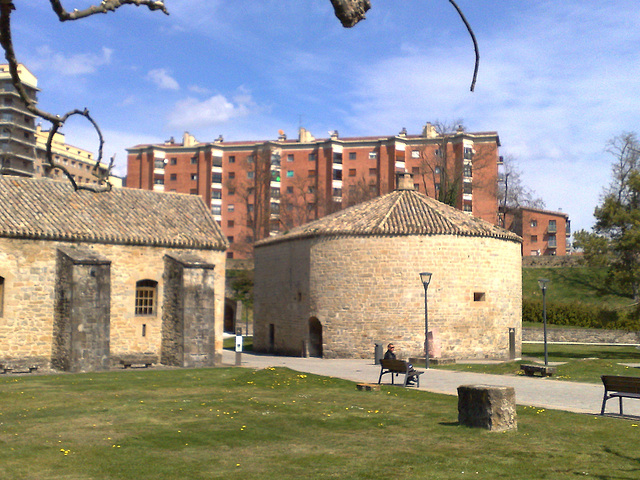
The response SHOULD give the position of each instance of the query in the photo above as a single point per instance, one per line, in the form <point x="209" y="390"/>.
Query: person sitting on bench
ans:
<point x="390" y="354"/>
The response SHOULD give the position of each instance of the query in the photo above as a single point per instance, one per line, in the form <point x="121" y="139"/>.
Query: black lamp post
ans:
<point x="542" y="282"/>
<point x="426" y="278"/>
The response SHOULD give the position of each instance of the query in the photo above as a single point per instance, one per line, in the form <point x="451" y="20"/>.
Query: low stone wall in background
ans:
<point x="553" y="261"/>
<point x="580" y="335"/>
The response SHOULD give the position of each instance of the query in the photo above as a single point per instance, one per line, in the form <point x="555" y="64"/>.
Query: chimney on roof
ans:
<point x="304" y="135"/>
<point x="220" y="139"/>
<point x="334" y="135"/>
<point x="403" y="132"/>
<point x="282" y="136"/>
<point x="429" y="131"/>
<point x="404" y="181"/>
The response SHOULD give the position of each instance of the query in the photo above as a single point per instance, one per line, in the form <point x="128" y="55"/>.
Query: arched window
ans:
<point x="1" y="295"/>
<point x="146" y="297"/>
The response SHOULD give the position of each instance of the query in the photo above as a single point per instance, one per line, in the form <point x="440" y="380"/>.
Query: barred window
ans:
<point x="146" y="297"/>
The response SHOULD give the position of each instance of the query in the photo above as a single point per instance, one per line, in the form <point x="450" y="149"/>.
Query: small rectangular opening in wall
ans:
<point x="478" y="296"/>
<point x="144" y="329"/>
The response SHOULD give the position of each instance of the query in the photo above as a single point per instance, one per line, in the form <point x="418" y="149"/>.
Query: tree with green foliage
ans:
<point x="616" y="234"/>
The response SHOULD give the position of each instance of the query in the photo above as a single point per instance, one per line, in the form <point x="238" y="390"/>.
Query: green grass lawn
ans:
<point x="568" y="284"/>
<point x="582" y="363"/>
<point x="237" y="423"/>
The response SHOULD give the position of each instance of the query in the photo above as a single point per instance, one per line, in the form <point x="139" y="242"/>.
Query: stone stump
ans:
<point x="487" y="406"/>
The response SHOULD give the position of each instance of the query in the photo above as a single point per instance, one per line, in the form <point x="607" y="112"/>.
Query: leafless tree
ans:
<point x="512" y="193"/>
<point x="625" y="149"/>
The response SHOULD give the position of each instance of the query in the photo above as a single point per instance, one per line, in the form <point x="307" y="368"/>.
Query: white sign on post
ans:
<point x="238" y="343"/>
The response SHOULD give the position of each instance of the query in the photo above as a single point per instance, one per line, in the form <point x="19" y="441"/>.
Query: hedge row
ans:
<point x="580" y="315"/>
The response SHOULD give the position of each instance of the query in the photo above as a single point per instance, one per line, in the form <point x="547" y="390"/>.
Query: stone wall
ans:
<point x="81" y="328"/>
<point x="580" y="335"/>
<point x="367" y="289"/>
<point x="187" y="330"/>
<point x="29" y="270"/>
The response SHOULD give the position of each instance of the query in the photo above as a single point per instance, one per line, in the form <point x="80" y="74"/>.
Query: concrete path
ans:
<point x="534" y="391"/>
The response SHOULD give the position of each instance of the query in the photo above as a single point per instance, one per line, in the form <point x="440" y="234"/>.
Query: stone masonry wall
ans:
<point x="281" y="297"/>
<point x="367" y="289"/>
<point x="26" y="327"/>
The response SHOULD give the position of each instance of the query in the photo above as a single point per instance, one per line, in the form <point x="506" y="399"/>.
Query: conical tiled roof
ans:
<point x="50" y="210"/>
<point x="402" y="212"/>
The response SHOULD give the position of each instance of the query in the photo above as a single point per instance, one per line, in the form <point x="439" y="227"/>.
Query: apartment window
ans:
<point x="173" y="161"/>
<point x="311" y="190"/>
<point x="215" y="209"/>
<point x="468" y="153"/>
<point x="552" y="241"/>
<point x="468" y="170"/>
<point x="337" y="192"/>
<point x="312" y="173"/>
<point x="216" y="177"/>
<point x="231" y="207"/>
<point x="534" y="223"/>
<point x="438" y="169"/>
<point x="231" y="191"/>
<point x="415" y="153"/>
<point x="250" y="159"/>
<point x="146" y="297"/>
<point x="337" y="157"/>
<point x="373" y="171"/>
<point x="289" y="158"/>
<point x="466" y="188"/>
<point x="313" y="157"/>
<point x="173" y="176"/>
<point x="290" y="190"/>
<point x="467" y="207"/>
<point x="1" y="296"/>
<point x="289" y="173"/>
<point x="230" y="239"/>
<point x="231" y="223"/>
<point x="352" y="155"/>
<point x="373" y="155"/>
<point x="337" y="174"/>
<point x="552" y="226"/>
<point x="250" y="208"/>
<point x="534" y="238"/>
<point x="352" y="172"/>
<point x="194" y="160"/>
<point x="194" y="176"/>
<point x="193" y="191"/>
<point x="229" y="254"/>
<point x="415" y="170"/>
<point x="275" y="192"/>
<point x="251" y="174"/>
<point x="232" y="159"/>
<point x="232" y="174"/>
<point x="157" y="181"/>
<point x="217" y="194"/>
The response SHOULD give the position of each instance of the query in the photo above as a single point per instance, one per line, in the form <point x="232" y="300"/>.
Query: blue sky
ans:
<point x="556" y="81"/>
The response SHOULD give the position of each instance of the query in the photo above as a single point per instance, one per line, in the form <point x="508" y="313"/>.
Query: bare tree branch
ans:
<point x="104" y="7"/>
<point x="350" y="12"/>
<point x="475" y="43"/>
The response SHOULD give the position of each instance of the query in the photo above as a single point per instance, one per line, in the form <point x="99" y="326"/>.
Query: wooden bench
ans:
<point x="138" y="361"/>
<point x="393" y="366"/>
<point x="621" y="387"/>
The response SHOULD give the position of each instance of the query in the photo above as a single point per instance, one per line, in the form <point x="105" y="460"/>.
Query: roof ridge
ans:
<point x="386" y="216"/>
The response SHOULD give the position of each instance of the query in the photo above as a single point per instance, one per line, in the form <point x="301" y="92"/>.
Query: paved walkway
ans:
<point x="536" y="391"/>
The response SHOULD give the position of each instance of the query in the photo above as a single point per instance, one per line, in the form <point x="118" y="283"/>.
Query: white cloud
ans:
<point x="190" y="113"/>
<point x="71" y="65"/>
<point x="162" y="79"/>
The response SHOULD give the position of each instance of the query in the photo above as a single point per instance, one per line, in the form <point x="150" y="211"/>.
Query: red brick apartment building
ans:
<point x="260" y="188"/>
<point x="543" y="232"/>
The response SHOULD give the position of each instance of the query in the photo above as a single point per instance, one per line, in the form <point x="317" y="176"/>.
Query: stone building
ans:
<point x="334" y="287"/>
<point x="87" y="279"/>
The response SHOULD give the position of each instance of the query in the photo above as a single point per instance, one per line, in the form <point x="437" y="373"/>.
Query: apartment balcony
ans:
<point x="552" y="229"/>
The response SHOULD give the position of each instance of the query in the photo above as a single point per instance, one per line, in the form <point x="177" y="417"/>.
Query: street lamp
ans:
<point x="426" y="278"/>
<point x="542" y="282"/>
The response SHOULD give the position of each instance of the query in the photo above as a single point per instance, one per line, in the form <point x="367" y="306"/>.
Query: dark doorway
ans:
<point x="315" y="337"/>
<point x="272" y="338"/>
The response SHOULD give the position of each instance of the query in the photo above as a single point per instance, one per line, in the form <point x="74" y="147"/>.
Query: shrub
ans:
<point x="580" y="315"/>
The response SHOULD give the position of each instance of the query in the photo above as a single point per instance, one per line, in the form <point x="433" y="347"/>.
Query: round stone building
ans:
<point x="336" y="286"/>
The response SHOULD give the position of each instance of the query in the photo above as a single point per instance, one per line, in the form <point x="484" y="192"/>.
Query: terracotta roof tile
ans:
<point x="402" y="212"/>
<point x="52" y="210"/>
